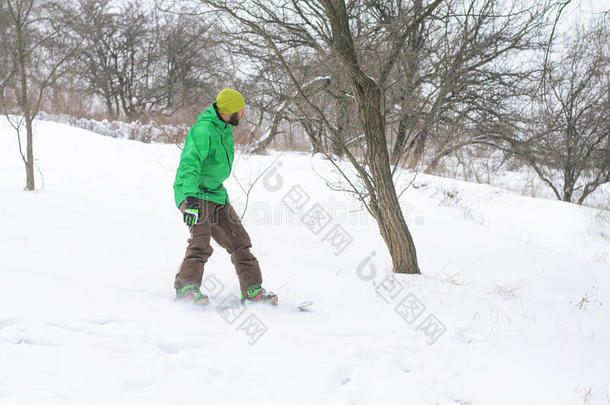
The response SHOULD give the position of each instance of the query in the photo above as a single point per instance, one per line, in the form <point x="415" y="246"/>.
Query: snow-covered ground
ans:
<point x="512" y="306"/>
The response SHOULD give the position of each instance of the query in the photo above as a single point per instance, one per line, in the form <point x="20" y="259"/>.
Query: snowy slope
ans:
<point x="521" y="286"/>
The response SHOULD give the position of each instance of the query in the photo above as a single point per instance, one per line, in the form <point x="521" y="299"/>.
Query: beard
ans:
<point x="234" y="119"/>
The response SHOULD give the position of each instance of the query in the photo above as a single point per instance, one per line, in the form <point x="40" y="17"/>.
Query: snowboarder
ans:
<point x="205" y="163"/>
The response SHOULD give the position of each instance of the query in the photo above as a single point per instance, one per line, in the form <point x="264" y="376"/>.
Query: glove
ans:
<point x="191" y="211"/>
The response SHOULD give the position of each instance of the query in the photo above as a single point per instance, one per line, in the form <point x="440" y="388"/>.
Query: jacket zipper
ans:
<point x="228" y="160"/>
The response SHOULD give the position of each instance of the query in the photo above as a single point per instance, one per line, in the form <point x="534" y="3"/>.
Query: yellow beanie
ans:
<point x="229" y="101"/>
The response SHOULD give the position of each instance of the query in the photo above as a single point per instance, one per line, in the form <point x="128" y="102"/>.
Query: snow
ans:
<point x="520" y="284"/>
<point x="316" y="79"/>
<point x="149" y="132"/>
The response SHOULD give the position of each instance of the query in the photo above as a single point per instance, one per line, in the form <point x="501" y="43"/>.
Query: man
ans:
<point x="205" y="163"/>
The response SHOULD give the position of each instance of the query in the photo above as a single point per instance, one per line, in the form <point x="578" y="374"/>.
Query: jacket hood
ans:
<point x="210" y="114"/>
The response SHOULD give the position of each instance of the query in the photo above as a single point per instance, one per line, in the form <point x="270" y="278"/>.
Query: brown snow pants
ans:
<point x="221" y="222"/>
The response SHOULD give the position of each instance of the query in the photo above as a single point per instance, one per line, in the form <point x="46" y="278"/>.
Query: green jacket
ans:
<point x="206" y="159"/>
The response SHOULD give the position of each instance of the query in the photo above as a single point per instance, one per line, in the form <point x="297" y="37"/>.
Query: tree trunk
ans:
<point x="29" y="167"/>
<point x="569" y="180"/>
<point x="260" y="146"/>
<point x="383" y="200"/>
<point x="314" y="136"/>
<point x="432" y="166"/>
<point x="109" y="108"/>
<point x="416" y="148"/>
<point x="385" y="205"/>
<point x="25" y="108"/>
<point x="401" y="139"/>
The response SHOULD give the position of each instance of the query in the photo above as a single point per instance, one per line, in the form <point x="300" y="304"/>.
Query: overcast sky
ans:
<point x="583" y="10"/>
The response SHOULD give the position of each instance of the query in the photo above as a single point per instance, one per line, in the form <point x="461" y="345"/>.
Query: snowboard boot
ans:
<point x="191" y="293"/>
<point x="256" y="293"/>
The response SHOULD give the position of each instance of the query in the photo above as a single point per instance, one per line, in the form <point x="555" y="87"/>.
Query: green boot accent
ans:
<point x="191" y="293"/>
<point x="256" y="293"/>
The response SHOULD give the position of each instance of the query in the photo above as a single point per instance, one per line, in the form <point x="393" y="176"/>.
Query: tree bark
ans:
<point x="260" y="147"/>
<point x="401" y="139"/>
<point x="25" y="107"/>
<point x="385" y="205"/>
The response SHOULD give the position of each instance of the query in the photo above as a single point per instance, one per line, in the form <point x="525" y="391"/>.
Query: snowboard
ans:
<point x="304" y="306"/>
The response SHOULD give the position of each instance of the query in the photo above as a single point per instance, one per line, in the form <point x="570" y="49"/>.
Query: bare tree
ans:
<point x="39" y="46"/>
<point x="143" y="62"/>
<point x="460" y="70"/>
<point x="368" y="94"/>
<point x="566" y="139"/>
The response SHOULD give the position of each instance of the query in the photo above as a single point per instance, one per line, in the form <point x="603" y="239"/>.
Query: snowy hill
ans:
<point x="512" y="306"/>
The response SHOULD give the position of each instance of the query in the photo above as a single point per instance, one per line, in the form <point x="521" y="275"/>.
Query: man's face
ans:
<point x="235" y="117"/>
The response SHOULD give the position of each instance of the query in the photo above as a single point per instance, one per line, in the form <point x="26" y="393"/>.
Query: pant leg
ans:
<point x="228" y="232"/>
<point x="198" y="250"/>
